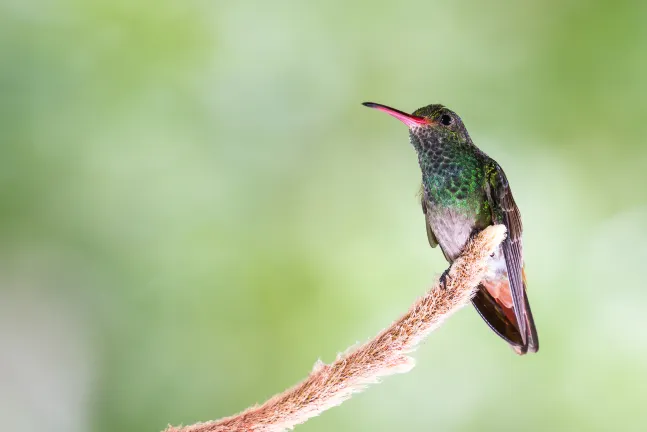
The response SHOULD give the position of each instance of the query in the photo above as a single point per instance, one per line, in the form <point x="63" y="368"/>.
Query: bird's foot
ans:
<point x="443" y="279"/>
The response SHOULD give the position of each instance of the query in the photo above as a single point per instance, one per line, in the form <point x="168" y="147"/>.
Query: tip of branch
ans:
<point x="493" y="236"/>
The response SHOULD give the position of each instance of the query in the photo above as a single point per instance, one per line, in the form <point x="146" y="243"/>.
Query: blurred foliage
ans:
<point x="194" y="207"/>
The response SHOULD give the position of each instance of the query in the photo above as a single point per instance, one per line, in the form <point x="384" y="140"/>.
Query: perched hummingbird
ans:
<point x="464" y="191"/>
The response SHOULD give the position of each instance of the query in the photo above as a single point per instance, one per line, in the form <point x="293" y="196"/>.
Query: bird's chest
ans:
<point x="456" y="203"/>
<point x="452" y="175"/>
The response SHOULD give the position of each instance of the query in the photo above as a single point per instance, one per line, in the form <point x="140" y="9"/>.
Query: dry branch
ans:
<point x="330" y="385"/>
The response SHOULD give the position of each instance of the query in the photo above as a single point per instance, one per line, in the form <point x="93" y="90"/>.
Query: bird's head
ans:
<point x="429" y="126"/>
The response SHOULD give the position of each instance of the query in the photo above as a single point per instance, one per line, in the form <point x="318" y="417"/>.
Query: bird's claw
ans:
<point x="443" y="279"/>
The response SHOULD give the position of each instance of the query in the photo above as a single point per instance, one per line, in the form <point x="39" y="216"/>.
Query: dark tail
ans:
<point x="503" y="322"/>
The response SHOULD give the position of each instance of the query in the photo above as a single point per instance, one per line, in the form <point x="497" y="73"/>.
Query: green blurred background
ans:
<point x="195" y="207"/>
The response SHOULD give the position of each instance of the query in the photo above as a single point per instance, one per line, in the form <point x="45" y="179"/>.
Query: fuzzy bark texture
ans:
<point x="330" y="385"/>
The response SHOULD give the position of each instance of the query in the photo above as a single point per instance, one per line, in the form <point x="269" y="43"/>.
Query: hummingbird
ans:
<point x="464" y="191"/>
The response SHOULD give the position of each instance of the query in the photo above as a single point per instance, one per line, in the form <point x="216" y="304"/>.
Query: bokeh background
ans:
<point x="195" y="207"/>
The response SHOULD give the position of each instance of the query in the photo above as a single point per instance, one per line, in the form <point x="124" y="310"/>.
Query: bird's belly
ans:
<point x="452" y="229"/>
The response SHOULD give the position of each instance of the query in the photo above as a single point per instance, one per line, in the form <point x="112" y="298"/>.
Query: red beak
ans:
<point x="407" y="119"/>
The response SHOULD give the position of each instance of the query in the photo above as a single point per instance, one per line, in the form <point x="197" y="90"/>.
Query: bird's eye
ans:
<point x="446" y="119"/>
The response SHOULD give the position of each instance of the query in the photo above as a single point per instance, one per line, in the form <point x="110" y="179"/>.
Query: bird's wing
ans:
<point x="433" y="242"/>
<point x="505" y="211"/>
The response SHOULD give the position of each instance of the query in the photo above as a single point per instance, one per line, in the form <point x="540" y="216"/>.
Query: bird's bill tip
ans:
<point x="408" y="119"/>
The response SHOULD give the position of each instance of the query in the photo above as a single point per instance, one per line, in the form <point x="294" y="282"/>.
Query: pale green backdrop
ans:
<point x="195" y="207"/>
